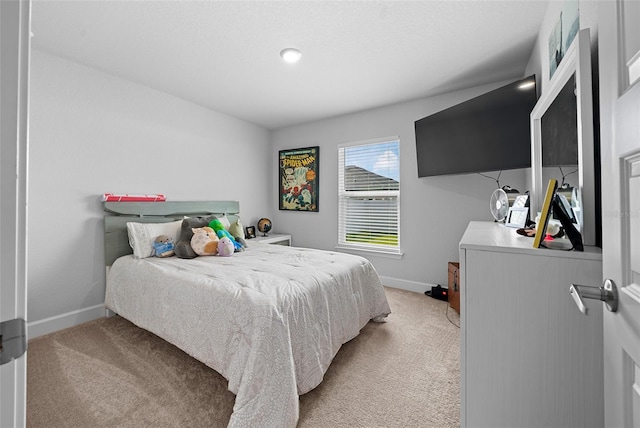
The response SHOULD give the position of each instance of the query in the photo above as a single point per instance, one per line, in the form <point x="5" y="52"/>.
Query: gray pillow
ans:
<point x="183" y="246"/>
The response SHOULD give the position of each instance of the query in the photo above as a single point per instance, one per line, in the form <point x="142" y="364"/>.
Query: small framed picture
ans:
<point x="541" y="227"/>
<point x="517" y="217"/>
<point x="250" y="232"/>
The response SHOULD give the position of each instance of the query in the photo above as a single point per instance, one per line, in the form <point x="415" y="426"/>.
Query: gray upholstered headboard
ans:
<point x="117" y="214"/>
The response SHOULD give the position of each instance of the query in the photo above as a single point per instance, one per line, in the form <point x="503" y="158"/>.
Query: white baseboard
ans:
<point x="59" y="322"/>
<point x="403" y="284"/>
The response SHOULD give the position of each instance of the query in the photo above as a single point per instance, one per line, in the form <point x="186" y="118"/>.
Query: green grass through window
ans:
<point x="375" y="238"/>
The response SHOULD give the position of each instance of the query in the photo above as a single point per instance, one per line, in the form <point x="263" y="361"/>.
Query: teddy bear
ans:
<point x="183" y="248"/>
<point x="236" y="230"/>
<point x="217" y="225"/>
<point x="163" y="246"/>
<point x="204" y="241"/>
<point x="225" y="247"/>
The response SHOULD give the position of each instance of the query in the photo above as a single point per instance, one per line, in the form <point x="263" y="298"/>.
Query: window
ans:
<point x="369" y="196"/>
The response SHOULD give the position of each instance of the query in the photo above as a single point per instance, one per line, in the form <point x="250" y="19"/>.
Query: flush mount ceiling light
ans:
<point x="290" y="55"/>
<point x="528" y="84"/>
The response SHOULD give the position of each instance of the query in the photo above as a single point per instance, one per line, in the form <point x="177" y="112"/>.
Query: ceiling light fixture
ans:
<point x="290" y="55"/>
<point x="526" y="85"/>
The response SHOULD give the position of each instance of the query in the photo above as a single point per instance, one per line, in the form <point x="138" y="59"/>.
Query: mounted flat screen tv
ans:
<point x="490" y="132"/>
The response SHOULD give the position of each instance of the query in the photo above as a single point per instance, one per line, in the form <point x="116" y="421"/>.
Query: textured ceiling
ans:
<point x="357" y="55"/>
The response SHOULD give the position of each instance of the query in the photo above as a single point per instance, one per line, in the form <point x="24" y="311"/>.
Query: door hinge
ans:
<point x="13" y="340"/>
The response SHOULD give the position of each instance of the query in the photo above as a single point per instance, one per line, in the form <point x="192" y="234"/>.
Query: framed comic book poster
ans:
<point x="299" y="179"/>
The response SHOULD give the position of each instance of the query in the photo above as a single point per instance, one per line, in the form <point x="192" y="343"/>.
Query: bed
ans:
<point x="270" y="319"/>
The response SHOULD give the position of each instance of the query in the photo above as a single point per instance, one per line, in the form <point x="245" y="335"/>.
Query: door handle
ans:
<point x="607" y="293"/>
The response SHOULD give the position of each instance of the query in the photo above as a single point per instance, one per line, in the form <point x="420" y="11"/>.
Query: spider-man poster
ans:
<point x="299" y="179"/>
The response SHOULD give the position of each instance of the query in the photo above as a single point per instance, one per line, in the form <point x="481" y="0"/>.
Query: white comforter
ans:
<point x="269" y="319"/>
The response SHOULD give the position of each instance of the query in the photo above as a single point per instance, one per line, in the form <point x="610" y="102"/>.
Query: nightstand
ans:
<point x="274" y="238"/>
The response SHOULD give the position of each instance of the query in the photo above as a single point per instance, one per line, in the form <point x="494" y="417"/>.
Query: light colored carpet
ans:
<point x="110" y="373"/>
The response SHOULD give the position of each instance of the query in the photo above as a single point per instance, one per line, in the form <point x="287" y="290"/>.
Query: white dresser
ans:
<point x="529" y="357"/>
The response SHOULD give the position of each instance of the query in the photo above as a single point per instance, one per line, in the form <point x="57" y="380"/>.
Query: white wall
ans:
<point x="539" y="60"/>
<point x="92" y="133"/>
<point x="435" y="211"/>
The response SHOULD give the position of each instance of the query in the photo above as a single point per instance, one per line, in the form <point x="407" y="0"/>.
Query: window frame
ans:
<point x="393" y="251"/>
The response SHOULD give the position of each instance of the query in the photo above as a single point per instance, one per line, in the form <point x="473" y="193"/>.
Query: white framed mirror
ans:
<point x="562" y="137"/>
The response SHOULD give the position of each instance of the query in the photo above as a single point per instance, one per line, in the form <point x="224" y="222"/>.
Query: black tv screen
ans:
<point x="490" y="132"/>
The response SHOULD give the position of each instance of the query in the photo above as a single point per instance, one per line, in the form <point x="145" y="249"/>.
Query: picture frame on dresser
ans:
<point x="545" y="214"/>
<point x="517" y="217"/>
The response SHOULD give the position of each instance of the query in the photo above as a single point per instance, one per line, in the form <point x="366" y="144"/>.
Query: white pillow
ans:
<point x="142" y="235"/>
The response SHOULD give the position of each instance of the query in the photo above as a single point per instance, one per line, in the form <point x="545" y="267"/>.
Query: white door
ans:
<point x="619" y="66"/>
<point x="14" y="82"/>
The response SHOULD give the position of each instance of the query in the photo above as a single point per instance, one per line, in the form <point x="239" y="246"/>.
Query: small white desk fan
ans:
<point x="501" y="200"/>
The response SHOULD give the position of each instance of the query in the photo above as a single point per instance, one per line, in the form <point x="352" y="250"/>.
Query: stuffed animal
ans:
<point x="183" y="247"/>
<point x="204" y="241"/>
<point x="222" y="233"/>
<point x="236" y="230"/>
<point x="225" y="247"/>
<point x="242" y="242"/>
<point x="163" y="246"/>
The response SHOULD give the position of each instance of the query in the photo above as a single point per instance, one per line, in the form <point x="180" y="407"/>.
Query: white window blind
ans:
<point x="369" y="196"/>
